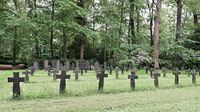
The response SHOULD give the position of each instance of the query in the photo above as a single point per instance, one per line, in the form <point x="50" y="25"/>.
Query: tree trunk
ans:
<point x="52" y="28"/>
<point x="178" y="22"/>
<point x="150" y="7"/>
<point x="156" y="35"/>
<point x="132" y="22"/>
<point x="82" y="22"/>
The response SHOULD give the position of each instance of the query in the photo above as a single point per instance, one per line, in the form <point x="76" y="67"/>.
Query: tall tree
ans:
<point x="82" y="22"/>
<point x="156" y="35"/>
<point x="178" y="21"/>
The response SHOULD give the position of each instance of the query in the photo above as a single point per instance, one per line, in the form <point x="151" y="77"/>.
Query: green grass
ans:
<point x="42" y="94"/>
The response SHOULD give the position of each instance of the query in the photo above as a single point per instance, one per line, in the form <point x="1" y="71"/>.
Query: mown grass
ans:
<point x="43" y="94"/>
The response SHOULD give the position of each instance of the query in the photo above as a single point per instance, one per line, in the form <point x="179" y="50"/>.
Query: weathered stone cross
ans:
<point x="16" y="83"/>
<point x="62" y="78"/>
<point x="155" y="76"/>
<point x="132" y="78"/>
<point x="176" y="73"/>
<point x="101" y="79"/>
<point x="194" y="73"/>
<point x="26" y="73"/>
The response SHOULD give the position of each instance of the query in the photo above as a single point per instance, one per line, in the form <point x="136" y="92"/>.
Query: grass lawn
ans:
<point x="41" y="94"/>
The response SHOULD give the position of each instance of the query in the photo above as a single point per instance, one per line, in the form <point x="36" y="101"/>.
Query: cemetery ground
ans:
<point x="41" y="94"/>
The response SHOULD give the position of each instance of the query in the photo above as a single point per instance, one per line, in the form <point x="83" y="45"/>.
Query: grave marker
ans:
<point x="117" y="73"/>
<point x="164" y="70"/>
<point x="132" y="78"/>
<point x="193" y="73"/>
<point x="155" y="76"/>
<point x="16" y="83"/>
<point x="54" y="72"/>
<point x="26" y="73"/>
<point x="62" y="78"/>
<point x="101" y="76"/>
<point x="76" y="71"/>
<point x="176" y="73"/>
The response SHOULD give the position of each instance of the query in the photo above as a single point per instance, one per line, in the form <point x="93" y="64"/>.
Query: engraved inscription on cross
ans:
<point x="16" y="83"/>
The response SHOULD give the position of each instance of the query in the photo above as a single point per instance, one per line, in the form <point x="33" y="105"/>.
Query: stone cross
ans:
<point x="26" y="73"/>
<point x="82" y="66"/>
<point x="193" y="73"/>
<point x="54" y="72"/>
<point x="155" y="76"/>
<point x="16" y="83"/>
<point x="101" y="76"/>
<point x="49" y="70"/>
<point x="117" y="73"/>
<point x="132" y="78"/>
<point x="46" y="64"/>
<point x="164" y="70"/>
<point x="63" y="78"/>
<point x="76" y="71"/>
<point x="176" y="73"/>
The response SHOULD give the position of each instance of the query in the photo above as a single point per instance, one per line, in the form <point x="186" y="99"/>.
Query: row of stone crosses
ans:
<point x="78" y="68"/>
